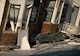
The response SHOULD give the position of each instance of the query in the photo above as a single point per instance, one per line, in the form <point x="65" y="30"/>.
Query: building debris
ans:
<point x="38" y="21"/>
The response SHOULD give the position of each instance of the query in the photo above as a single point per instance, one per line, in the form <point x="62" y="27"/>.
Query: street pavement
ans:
<point x="48" y="50"/>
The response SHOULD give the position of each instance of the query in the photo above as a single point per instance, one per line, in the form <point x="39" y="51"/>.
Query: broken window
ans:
<point x="64" y="13"/>
<point x="74" y="15"/>
<point x="12" y="17"/>
<point x="49" y="10"/>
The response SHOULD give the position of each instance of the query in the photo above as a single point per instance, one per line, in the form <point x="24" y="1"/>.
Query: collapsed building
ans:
<point x="22" y="20"/>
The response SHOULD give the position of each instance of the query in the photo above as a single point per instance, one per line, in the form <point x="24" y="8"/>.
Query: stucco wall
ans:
<point x="2" y="5"/>
<point x="76" y="3"/>
<point x="15" y="1"/>
<point x="19" y="2"/>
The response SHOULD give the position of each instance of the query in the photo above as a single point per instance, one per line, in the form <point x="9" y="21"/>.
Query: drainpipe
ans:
<point x="62" y="6"/>
<point x="55" y="11"/>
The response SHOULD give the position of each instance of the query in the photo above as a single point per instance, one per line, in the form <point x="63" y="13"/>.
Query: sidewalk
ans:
<point x="44" y="48"/>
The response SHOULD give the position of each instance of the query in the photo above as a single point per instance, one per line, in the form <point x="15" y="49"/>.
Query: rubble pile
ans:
<point x="6" y="40"/>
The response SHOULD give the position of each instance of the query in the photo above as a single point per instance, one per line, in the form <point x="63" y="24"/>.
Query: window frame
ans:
<point x="8" y="14"/>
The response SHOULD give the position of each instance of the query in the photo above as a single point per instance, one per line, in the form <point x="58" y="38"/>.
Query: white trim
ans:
<point x="61" y="11"/>
<point x="20" y="16"/>
<point x="27" y="23"/>
<point x="30" y="6"/>
<point x="55" y="11"/>
<point x="12" y="25"/>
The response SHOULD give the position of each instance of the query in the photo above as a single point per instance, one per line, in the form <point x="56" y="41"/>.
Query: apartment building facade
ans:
<point x="16" y="15"/>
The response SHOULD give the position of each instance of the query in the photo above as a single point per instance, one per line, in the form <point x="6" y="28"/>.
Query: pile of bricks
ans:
<point x="7" y="39"/>
<point x="48" y="27"/>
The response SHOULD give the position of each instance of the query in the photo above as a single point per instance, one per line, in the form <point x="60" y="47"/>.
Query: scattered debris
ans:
<point x="50" y="38"/>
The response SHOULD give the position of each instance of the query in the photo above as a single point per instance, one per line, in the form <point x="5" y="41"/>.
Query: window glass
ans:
<point x="12" y="17"/>
<point x="64" y="13"/>
<point x="49" y="10"/>
<point x="74" y="15"/>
